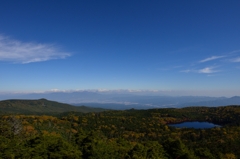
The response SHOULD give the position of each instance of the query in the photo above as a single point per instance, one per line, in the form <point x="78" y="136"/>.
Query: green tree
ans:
<point x="176" y="149"/>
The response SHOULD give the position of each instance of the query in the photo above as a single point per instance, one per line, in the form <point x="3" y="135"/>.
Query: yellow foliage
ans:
<point x="25" y="122"/>
<point x="75" y="118"/>
<point x="166" y="128"/>
<point x="75" y="124"/>
<point x="29" y="128"/>
<point x="54" y="134"/>
<point x="74" y="131"/>
<point x="229" y="156"/>
<point x="45" y="132"/>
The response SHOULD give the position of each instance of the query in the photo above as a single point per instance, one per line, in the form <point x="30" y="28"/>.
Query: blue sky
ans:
<point x="183" y="46"/>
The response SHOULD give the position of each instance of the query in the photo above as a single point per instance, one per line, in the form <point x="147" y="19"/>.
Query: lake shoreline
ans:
<point x="195" y="125"/>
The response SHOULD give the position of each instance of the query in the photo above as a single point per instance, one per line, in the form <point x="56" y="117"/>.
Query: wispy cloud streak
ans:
<point x="234" y="52"/>
<point x="186" y="71"/>
<point x="211" y="58"/>
<point x="21" y="52"/>
<point x="207" y="70"/>
<point x="237" y="59"/>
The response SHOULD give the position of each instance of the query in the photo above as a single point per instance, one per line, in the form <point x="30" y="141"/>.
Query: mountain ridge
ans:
<point x="122" y="101"/>
<point x="41" y="106"/>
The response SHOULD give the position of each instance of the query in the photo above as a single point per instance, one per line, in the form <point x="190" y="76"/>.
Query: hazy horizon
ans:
<point x="173" y="93"/>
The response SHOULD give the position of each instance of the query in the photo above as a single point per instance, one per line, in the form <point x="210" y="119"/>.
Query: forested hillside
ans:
<point x="129" y="134"/>
<point x="41" y="106"/>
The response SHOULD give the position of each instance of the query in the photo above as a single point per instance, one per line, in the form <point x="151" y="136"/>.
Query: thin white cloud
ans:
<point x="234" y="52"/>
<point x="186" y="71"/>
<point x="237" y="59"/>
<point x="56" y="90"/>
<point x="160" y="92"/>
<point x="22" y="52"/>
<point x="208" y="70"/>
<point x="211" y="58"/>
<point x="106" y="90"/>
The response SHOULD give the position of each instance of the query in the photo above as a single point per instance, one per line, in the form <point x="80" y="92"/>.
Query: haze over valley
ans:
<point x="126" y="99"/>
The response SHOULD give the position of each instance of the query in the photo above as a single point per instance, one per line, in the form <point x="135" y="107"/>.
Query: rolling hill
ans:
<point x="41" y="106"/>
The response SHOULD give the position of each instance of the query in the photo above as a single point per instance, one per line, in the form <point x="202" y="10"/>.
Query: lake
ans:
<point x="195" y="124"/>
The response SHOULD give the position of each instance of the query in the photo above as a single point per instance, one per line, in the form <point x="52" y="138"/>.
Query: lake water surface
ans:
<point x="195" y="124"/>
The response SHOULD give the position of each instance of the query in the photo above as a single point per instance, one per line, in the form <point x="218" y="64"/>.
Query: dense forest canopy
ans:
<point x="122" y="134"/>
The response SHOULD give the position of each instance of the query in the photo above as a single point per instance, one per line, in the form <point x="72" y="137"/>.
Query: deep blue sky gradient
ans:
<point x="127" y="44"/>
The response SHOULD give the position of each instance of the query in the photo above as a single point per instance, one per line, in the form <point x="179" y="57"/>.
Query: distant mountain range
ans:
<point x="215" y="102"/>
<point x="126" y="100"/>
<point x="41" y="106"/>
